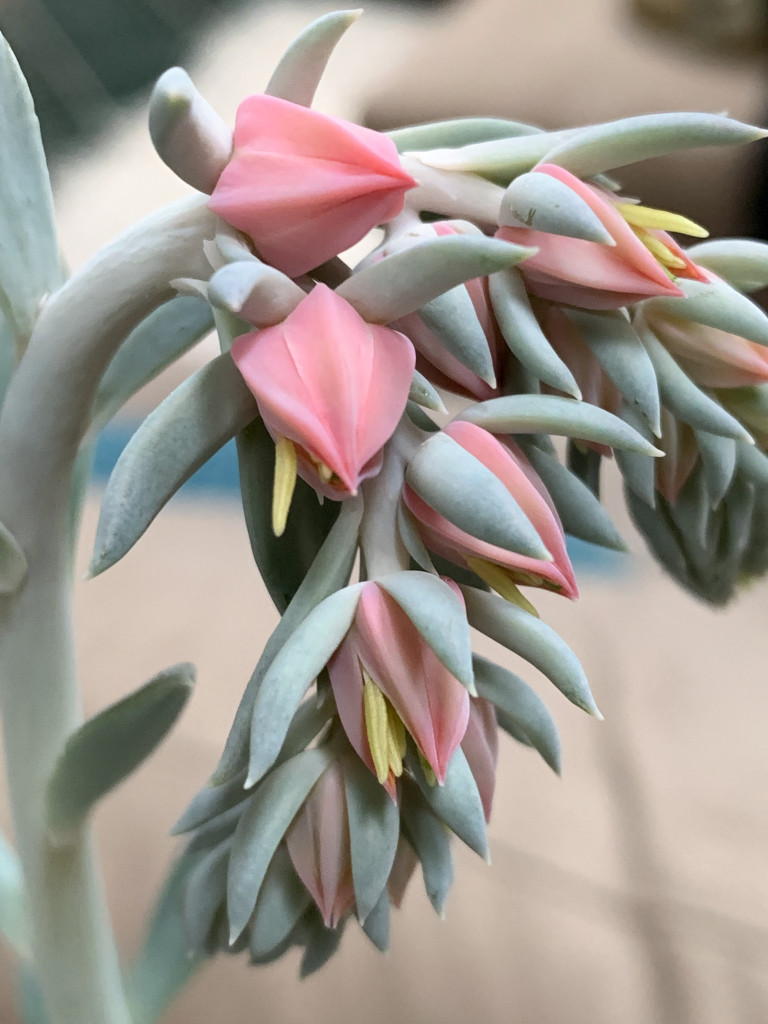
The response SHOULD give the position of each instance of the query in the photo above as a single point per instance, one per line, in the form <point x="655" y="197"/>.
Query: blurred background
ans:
<point x="635" y="888"/>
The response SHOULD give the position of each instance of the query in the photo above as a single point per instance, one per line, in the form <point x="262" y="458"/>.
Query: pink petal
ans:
<point x="678" y="442"/>
<point x="713" y="358"/>
<point x="481" y="749"/>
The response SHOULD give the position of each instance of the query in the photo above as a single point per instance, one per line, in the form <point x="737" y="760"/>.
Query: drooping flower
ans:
<point x="643" y="262"/>
<point x="319" y="847"/>
<point x="501" y="569"/>
<point x="481" y="749"/>
<point x="712" y="358"/>
<point x="387" y="682"/>
<point x="305" y="186"/>
<point x="330" y="388"/>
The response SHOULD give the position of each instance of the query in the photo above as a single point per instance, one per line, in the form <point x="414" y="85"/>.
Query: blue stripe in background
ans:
<point x="219" y="478"/>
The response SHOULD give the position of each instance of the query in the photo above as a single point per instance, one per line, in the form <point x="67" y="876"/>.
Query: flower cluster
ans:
<point x="515" y="283"/>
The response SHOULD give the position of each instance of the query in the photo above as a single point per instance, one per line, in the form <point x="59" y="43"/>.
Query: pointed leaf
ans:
<point x="543" y="203"/>
<point x="661" y="536"/>
<point x="294" y="669"/>
<point x="498" y="159"/>
<point x="458" y="132"/>
<point x="715" y="304"/>
<point x="414" y="545"/>
<point x="753" y="463"/>
<point x="742" y="262"/>
<point x="423" y="393"/>
<point x="718" y="460"/>
<point x="13" y="562"/>
<point x="457" y="802"/>
<point x="534" y="641"/>
<point x="258" y="293"/>
<point x="523" y="705"/>
<point x="617" y="347"/>
<point x="376" y="924"/>
<point x="522" y="332"/>
<point x="683" y="398"/>
<point x="282" y="901"/>
<point x="30" y="266"/>
<point x="439" y="616"/>
<point x="452" y="319"/>
<point x="301" y="67"/>
<point x="549" y="414"/>
<point x="374" y="829"/>
<point x="328" y="573"/>
<point x="460" y="487"/>
<point x="321" y="944"/>
<point x="109" y="746"/>
<point x="204" y="894"/>
<point x="603" y="147"/>
<point x="432" y="842"/>
<point x="13" y="911"/>
<point x="182" y="433"/>
<point x="581" y="513"/>
<point x="217" y="829"/>
<point x="162" y="338"/>
<point x="639" y="471"/>
<point x="270" y="811"/>
<point x="407" y="280"/>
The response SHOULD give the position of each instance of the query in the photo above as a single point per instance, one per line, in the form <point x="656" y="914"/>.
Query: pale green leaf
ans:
<point x="13" y="911"/>
<point x="13" y="562"/>
<point x="453" y="320"/>
<point x="718" y="462"/>
<point x="458" y="132"/>
<point x="374" y="829"/>
<point x="714" y="304"/>
<point x="457" y="802"/>
<point x="423" y="393"/>
<point x="432" y="842"/>
<point x="376" y="924"/>
<point x="282" y="901"/>
<point x="301" y="67"/>
<point x="742" y="262"/>
<point x="543" y="203"/>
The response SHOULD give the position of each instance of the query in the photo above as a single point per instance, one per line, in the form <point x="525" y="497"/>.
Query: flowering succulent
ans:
<point x="512" y="274"/>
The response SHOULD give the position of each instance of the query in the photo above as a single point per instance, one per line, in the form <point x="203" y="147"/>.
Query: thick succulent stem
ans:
<point x="44" y="418"/>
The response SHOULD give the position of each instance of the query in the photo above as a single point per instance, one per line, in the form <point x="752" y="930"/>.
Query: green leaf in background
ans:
<point x="30" y="265"/>
<point x="13" y="915"/>
<point x="164" y="964"/>
<point x="166" y="334"/>
<point x="177" y="437"/>
<point x="112" y="744"/>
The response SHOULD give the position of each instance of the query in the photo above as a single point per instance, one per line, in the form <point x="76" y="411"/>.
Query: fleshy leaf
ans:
<point x="321" y="944"/>
<point x="30" y="265"/>
<point x="522" y="332"/>
<point x="452" y="319"/>
<point x="456" y="484"/>
<point x="638" y="470"/>
<point x="407" y="280"/>
<point x="457" y="802"/>
<point x="329" y="572"/>
<point x="603" y="147"/>
<point x="160" y="340"/>
<point x="182" y="433"/>
<point x="742" y="262"/>
<point x="458" y="132"/>
<point x="376" y="924"/>
<point x="718" y="462"/>
<point x="13" y="562"/>
<point x="204" y="894"/>
<point x="13" y="911"/>
<point x="258" y="293"/>
<point x="263" y="824"/>
<point x="295" y="667"/>
<point x="423" y="393"/>
<point x="550" y="414"/>
<point x="438" y="614"/>
<point x="109" y="746"/>
<point x="374" y="828"/>
<point x="533" y="640"/>
<point x="715" y="304"/>
<point x="544" y="203"/>
<point x="282" y="901"/>
<point x="301" y="67"/>
<point x="617" y="347"/>
<point x="432" y="842"/>
<point x="523" y="705"/>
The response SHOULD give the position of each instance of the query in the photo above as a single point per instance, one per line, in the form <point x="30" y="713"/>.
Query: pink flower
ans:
<point x="387" y="681"/>
<point x="711" y="358"/>
<point x="330" y="383"/>
<point x="305" y="186"/>
<point x="481" y="749"/>
<point x="500" y="568"/>
<point x="642" y="262"/>
<point x="595" y="385"/>
<point x="319" y="847"/>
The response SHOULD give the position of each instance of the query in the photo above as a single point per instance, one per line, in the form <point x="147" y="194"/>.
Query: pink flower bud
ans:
<point x="332" y="384"/>
<point x="305" y="186"/>
<point x="641" y="263"/>
<point x="481" y="749"/>
<point x="511" y="467"/>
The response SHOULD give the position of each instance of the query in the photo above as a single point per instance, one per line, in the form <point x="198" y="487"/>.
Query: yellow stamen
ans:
<point x="499" y="580"/>
<point x="662" y="252"/>
<point x="659" y="220"/>
<point x="396" y="742"/>
<point x="376" y="726"/>
<point x="324" y="472"/>
<point x="284" y="484"/>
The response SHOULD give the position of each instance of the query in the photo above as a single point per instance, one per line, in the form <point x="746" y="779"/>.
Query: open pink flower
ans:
<point x="642" y="262"/>
<point x="387" y="681"/>
<point x="508" y="463"/>
<point x="319" y="846"/>
<point x="332" y="384"/>
<point x="711" y="358"/>
<point x="305" y="186"/>
<point x="481" y="749"/>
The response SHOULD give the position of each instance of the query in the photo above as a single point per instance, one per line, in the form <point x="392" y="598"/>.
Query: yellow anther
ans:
<point x="376" y="726"/>
<point x="662" y="252"/>
<point x="499" y="580"/>
<point x="659" y="220"/>
<point x="396" y="742"/>
<point x="324" y="472"/>
<point x="284" y="484"/>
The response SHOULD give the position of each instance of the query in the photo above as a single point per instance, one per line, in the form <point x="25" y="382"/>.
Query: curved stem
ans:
<point x="44" y="417"/>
